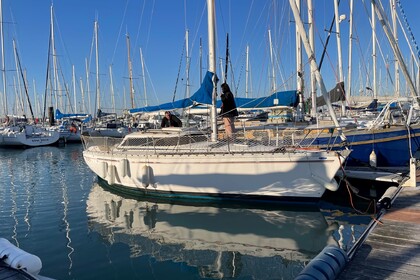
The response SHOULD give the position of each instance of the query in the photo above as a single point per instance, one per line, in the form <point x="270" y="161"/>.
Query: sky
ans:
<point x="158" y="28"/>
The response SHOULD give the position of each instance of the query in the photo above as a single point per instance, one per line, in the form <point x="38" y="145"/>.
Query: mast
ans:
<point x="187" y="68"/>
<point x="299" y="67"/>
<point x="74" y="90"/>
<point x="221" y="67"/>
<point x="397" y="52"/>
<point x="273" y="73"/>
<point x="144" y="78"/>
<point x="19" y="68"/>
<point x="56" y="89"/>
<point x="98" y="94"/>
<point x="247" y="71"/>
<point x="212" y="64"/>
<point x="18" y="88"/>
<point x="88" y="88"/>
<point x="340" y="60"/>
<point x="395" y="30"/>
<point x="374" y="86"/>
<point x="82" y="109"/>
<point x="349" y="88"/>
<point x="312" y="43"/>
<point x="311" y="55"/>
<point x="3" y="63"/>
<point x="37" y="104"/>
<point x="130" y="71"/>
<point x="201" y="59"/>
<point x="112" y="88"/>
<point x="227" y="58"/>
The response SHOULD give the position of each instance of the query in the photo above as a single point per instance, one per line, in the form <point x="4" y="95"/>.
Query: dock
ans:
<point x="391" y="249"/>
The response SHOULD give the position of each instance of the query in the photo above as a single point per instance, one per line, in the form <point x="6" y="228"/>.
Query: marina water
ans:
<point x="53" y="206"/>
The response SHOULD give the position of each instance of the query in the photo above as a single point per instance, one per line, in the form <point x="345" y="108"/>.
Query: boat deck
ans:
<point x="392" y="247"/>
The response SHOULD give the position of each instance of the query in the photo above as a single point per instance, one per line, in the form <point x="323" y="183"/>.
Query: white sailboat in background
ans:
<point x="19" y="132"/>
<point x="188" y="162"/>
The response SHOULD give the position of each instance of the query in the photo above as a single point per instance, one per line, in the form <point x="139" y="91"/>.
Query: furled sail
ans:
<point x="203" y="96"/>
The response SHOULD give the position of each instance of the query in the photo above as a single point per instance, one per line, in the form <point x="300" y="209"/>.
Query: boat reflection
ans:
<point x="220" y="241"/>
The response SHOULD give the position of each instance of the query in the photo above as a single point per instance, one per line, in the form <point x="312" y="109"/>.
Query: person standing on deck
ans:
<point x="228" y="110"/>
<point x="170" y="120"/>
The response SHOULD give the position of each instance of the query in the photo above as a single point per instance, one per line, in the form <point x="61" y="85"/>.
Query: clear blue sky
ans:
<point x="158" y="27"/>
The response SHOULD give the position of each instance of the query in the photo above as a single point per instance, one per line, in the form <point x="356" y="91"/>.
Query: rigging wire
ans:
<point x="47" y="79"/>
<point x="413" y="40"/>
<point x="327" y="41"/>
<point x="119" y="32"/>
<point x="179" y="71"/>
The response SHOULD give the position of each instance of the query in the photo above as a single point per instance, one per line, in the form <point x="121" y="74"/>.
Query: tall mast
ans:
<point x="82" y="109"/>
<point x="397" y="52"/>
<point x="56" y="89"/>
<point x="74" y="90"/>
<point x="340" y="60"/>
<point x="299" y="66"/>
<point x="88" y="88"/>
<point x="349" y="88"/>
<point x="19" y="68"/>
<point x="98" y="94"/>
<point x="395" y="30"/>
<point x="211" y="21"/>
<point x="247" y="71"/>
<point x="144" y="78"/>
<point x="18" y="88"/>
<point x="374" y="86"/>
<point x="3" y="63"/>
<point x="312" y="60"/>
<point x="201" y="60"/>
<point x="273" y="73"/>
<point x="312" y="43"/>
<point x="112" y="89"/>
<point x="37" y="104"/>
<point x="130" y="71"/>
<point x="187" y="68"/>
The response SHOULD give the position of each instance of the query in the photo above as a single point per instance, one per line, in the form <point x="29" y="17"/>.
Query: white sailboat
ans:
<point x="18" y="131"/>
<point x="185" y="162"/>
<point x="27" y="135"/>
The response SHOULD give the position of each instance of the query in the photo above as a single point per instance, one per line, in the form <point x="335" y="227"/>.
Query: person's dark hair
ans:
<point x="225" y="87"/>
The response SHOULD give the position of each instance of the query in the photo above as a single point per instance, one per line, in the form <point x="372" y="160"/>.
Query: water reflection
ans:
<point x="219" y="241"/>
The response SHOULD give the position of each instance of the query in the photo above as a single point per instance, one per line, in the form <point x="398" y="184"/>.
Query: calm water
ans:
<point x="51" y="205"/>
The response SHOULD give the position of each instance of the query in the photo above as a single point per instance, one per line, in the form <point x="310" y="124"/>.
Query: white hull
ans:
<point x="211" y="171"/>
<point x="110" y="132"/>
<point x="28" y="136"/>
<point x="69" y="136"/>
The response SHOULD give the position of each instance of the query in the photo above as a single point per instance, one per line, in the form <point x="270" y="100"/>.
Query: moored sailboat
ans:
<point x="27" y="135"/>
<point x="189" y="162"/>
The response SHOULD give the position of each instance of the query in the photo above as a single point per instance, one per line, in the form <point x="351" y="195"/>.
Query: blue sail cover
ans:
<point x="59" y="115"/>
<point x="280" y="98"/>
<point x="202" y="96"/>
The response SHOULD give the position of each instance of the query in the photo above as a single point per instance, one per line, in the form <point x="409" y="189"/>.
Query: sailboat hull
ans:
<point x="393" y="146"/>
<point x="258" y="175"/>
<point x="28" y="136"/>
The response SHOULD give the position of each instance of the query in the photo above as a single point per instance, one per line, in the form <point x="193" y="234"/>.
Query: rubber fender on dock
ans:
<point x="386" y="199"/>
<point x="327" y="265"/>
<point x="18" y="258"/>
